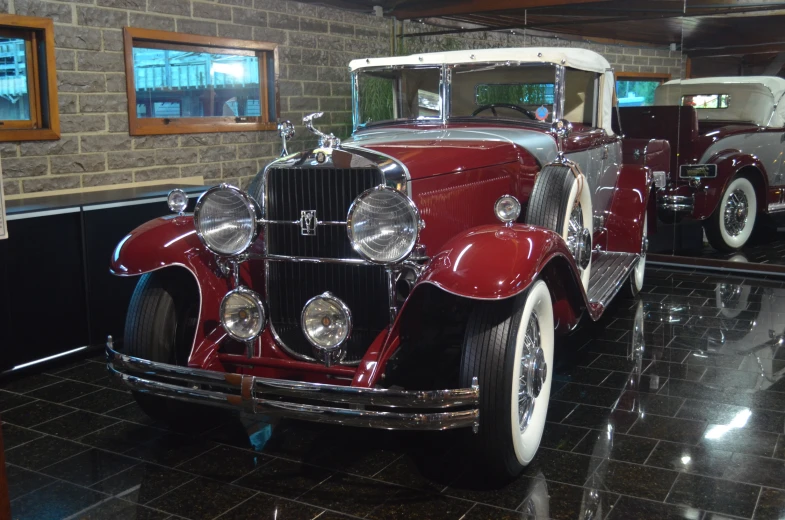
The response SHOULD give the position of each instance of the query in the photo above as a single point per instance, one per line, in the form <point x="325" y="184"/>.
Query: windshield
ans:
<point x="399" y="94"/>
<point x="508" y="91"/>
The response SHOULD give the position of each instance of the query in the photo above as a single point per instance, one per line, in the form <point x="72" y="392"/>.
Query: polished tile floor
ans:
<point x="672" y="406"/>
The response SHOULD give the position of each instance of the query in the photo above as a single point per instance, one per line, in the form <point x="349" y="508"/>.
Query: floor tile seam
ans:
<point x="31" y="471"/>
<point x="172" y="515"/>
<point x="235" y="506"/>
<point x="178" y="486"/>
<point x="757" y="501"/>
<point x="667" y="394"/>
<point x="651" y="453"/>
<point x="70" y="381"/>
<point x="328" y="477"/>
<point x="711" y="511"/>
<point x="61" y="379"/>
<point x="610" y="509"/>
<point x="33" y="399"/>
<point x="588" y="431"/>
<point x="399" y="457"/>
<point x="463" y="516"/>
<point x="92" y="393"/>
<point x="57" y="479"/>
<point x="287" y="499"/>
<point x="72" y="413"/>
<point x="177" y="466"/>
<point x="75" y="516"/>
<point x="725" y="515"/>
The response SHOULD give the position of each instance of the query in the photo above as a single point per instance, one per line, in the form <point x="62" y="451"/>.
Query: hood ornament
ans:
<point x="286" y="131"/>
<point x="325" y="141"/>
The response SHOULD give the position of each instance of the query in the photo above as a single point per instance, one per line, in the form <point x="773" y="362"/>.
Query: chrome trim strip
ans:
<point x="431" y="410"/>
<point x="776" y="206"/>
<point x="297" y="222"/>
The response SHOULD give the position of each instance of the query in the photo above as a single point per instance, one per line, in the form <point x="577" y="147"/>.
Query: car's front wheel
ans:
<point x="731" y="224"/>
<point x="160" y="326"/>
<point x="508" y="346"/>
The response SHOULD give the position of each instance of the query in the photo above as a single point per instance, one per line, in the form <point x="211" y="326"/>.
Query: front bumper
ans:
<point x="347" y="405"/>
<point x="675" y="204"/>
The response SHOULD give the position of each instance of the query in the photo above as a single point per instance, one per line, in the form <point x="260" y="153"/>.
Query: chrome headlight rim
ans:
<point x="257" y="300"/>
<point x="419" y="223"/>
<point x="254" y="212"/>
<point x="327" y="295"/>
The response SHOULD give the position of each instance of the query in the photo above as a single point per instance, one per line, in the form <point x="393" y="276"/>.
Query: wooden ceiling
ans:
<point x="702" y="28"/>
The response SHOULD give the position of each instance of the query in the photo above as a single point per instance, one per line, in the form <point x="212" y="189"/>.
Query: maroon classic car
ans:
<point x="321" y="294"/>
<point x="727" y="140"/>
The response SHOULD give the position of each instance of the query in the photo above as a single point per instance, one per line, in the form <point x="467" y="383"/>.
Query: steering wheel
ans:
<point x="493" y="107"/>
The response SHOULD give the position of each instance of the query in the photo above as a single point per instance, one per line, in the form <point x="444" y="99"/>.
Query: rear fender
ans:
<point x="172" y="242"/>
<point x="624" y="222"/>
<point x="729" y="164"/>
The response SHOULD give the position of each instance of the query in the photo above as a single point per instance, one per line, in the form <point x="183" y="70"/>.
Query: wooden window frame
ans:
<point x="44" y="122"/>
<point x="194" y="125"/>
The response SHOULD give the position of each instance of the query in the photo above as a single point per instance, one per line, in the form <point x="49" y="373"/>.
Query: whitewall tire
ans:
<point x="732" y="223"/>
<point x="509" y="347"/>
<point x="557" y="204"/>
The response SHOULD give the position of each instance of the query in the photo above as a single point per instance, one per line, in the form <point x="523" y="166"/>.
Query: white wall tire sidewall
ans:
<point x="525" y="444"/>
<point x="640" y="268"/>
<point x="588" y="222"/>
<point x="746" y="186"/>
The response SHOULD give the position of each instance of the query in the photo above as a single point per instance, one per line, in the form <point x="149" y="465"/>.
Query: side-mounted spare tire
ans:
<point x="562" y="203"/>
<point x="160" y="326"/>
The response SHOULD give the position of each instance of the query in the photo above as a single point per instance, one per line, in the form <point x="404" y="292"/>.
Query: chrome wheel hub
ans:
<point x="534" y="372"/>
<point x="578" y="238"/>
<point x="736" y="213"/>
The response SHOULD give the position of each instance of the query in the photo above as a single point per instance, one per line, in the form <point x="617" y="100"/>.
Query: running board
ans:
<point x="609" y="271"/>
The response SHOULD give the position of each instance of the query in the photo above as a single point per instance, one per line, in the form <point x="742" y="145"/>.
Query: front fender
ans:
<point x="172" y="242"/>
<point x="495" y="262"/>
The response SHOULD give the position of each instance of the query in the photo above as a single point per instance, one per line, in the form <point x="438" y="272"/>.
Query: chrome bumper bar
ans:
<point x="348" y="405"/>
<point x="680" y="204"/>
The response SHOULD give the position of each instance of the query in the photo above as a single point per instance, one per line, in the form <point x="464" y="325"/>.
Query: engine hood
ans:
<point x="428" y="152"/>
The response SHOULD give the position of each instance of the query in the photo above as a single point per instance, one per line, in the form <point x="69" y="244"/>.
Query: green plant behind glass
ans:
<point x="376" y="99"/>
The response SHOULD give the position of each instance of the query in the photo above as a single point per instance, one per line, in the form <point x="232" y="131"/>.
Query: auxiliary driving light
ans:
<point x="327" y="324"/>
<point x="242" y="314"/>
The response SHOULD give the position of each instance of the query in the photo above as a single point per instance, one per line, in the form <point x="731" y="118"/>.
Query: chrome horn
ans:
<point x="561" y="129"/>
<point x="286" y="131"/>
<point x="325" y="141"/>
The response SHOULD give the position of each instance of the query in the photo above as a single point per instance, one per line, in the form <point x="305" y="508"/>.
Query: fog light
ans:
<point x="507" y="209"/>
<point x="177" y="200"/>
<point x="242" y="314"/>
<point x="327" y="324"/>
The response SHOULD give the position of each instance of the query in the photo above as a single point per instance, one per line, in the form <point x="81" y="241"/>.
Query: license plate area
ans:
<point x="698" y="171"/>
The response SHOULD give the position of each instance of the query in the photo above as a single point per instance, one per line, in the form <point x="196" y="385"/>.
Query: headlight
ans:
<point x="383" y="225"/>
<point x="226" y="220"/>
<point x="242" y="314"/>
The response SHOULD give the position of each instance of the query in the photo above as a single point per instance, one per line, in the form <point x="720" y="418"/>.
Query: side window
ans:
<point x="581" y="97"/>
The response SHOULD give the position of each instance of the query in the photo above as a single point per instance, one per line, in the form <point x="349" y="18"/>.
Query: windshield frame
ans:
<point x="445" y="91"/>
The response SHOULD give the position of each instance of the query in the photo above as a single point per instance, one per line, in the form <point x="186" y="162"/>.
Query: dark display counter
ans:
<point x="56" y="292"/>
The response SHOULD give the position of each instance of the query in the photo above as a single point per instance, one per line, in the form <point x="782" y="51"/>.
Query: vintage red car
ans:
<point x="726" y="144"/>
<point x="321" y="294"/>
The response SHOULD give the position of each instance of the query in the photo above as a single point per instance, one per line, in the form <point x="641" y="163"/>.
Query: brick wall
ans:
<point x="316" y="45"/>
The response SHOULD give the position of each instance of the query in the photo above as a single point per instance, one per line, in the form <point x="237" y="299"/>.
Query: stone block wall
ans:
<point x="315" y="47"/>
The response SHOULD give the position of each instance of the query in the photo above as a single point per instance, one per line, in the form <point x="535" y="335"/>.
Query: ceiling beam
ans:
<point x="420" y="9"/>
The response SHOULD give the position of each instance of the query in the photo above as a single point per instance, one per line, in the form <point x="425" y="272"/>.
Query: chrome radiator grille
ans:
<point x="329" y="192"/>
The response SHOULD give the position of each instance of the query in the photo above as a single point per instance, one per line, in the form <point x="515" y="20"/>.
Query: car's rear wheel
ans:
<point x="160" y="326"/>
<point x="732" y="223"/>
<point x="508" y="346"/>
<point x="562" y="203"/>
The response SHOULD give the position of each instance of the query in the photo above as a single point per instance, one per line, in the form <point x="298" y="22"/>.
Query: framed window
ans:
<point x="514" y="93"/>
<point x="636" y="89"/>
<point x="181" y="83"/>
<point x="701" y="101"/>
<point x="28" y="82"/>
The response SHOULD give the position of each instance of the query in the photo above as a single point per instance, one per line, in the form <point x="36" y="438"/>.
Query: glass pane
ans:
<point x="399" y="94"/>
<point x="14" y="99"/>
<point x="175" y="83"/>
<point x="636" y="93"/>
<point x="706" y="100"/>
<point x="520" y="94"/>
<point x="526" y="90"/>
